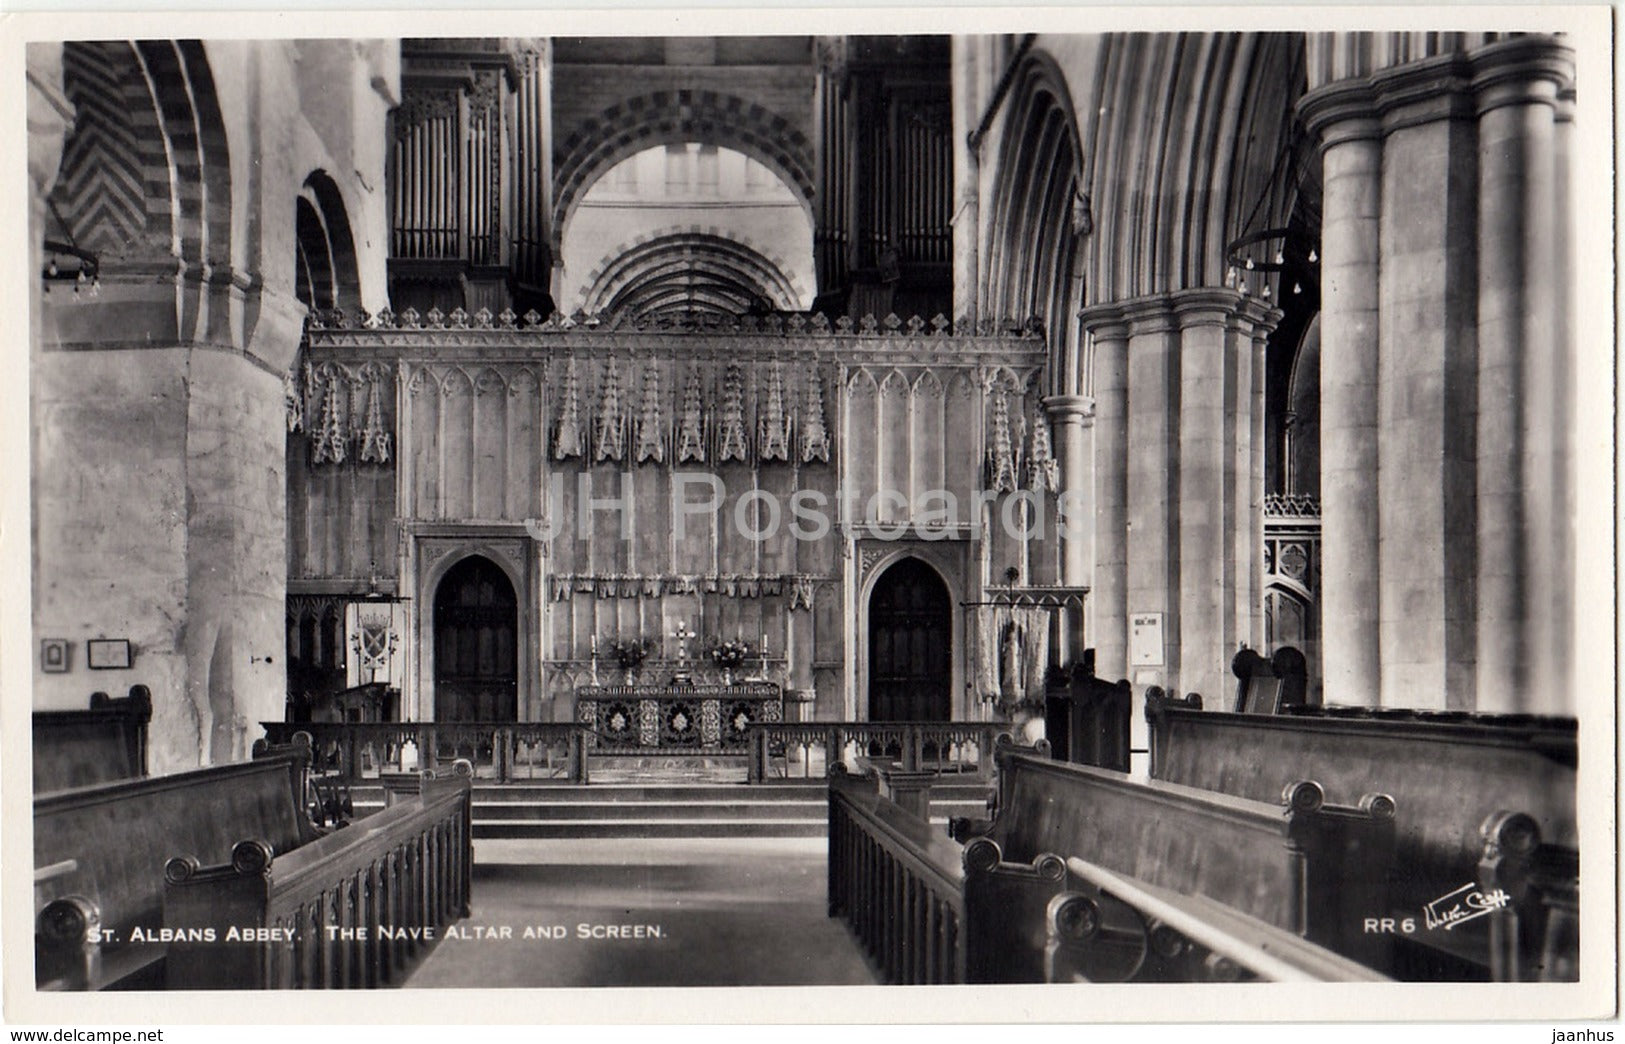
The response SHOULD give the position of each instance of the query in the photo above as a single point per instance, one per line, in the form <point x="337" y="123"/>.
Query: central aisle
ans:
<point x="647" y="912"/>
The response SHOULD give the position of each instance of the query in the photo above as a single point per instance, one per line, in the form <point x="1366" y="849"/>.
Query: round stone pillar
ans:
<point x="1343" y="116"/>
<point x="1073" y="418"/>
<point x="1516" y="86"/>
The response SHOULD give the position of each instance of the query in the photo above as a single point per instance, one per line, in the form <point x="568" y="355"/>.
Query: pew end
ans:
<point x="1004" y="912"/>
<point x="355" y="909"/>
<point x="1485" y="803"/>
<point x="1112" y="928"/>
<point x="101" y="850"/>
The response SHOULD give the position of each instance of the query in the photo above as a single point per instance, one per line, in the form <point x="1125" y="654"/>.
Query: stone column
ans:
<point x="1107" y="626"/>
<point x="1073" y="417"/>
<point x="1253" y="323"/>
<point x="1444" y="377"/>
<point x="1204" y="505"/>
<point x="1519" y="568"/>
<point x="1343" y="118"/>
<point x="1073" y="420"/>
<point x="1425" y="395"/>
<point x="1149" y="522"/>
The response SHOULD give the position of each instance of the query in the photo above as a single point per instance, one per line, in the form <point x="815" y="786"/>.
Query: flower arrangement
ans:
<point x="630" y="652"/>
<point x="731" y="653"/>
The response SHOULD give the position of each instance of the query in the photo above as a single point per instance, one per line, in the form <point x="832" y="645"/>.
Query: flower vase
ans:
<point x="728" y="676"/>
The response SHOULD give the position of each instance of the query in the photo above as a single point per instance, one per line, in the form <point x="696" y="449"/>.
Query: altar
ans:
<point x="676" y="718"/>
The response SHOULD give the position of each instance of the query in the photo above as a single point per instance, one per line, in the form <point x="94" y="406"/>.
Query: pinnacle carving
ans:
<point x="773" y="425"/>
<point x="611" y="429"/>
<point x="651" y="425"/>
<point x="733" y="417"/>
<point x="1043" y="471"/>
<point x="814" y="435"/>
<point x="570" y="440"/>
<point x="1001" y="457"/>
<point x="691" y="427"/>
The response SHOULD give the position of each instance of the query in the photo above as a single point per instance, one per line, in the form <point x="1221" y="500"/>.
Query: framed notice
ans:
<point x="53" y="655"/>
<point x="1145" y="640"/>
<point x="107" y="654"/>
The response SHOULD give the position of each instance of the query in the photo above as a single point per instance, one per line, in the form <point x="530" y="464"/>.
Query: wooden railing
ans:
<point x="501" y="751"/>
<point x="897" y="884"/>
<point x="508" y="752"/>
<point x="807" y="751"/>
<point x="354" y="909"/>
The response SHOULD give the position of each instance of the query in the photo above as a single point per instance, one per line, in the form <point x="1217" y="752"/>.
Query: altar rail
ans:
<point x="506" y="752"/>
<point x="516" y="752"/>
<point x="788" y="751"/>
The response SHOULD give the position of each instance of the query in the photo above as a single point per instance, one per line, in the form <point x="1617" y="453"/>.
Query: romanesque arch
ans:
<point x="668" y="117"/>
<point x="690" y="269"/>
<point x="326" y="274"/>
<point x="145" y="177"/>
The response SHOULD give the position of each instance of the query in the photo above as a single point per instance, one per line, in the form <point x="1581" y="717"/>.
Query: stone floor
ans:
<point x="647" y="912"/>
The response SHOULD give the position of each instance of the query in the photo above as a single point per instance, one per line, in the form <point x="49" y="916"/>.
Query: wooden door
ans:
<point x="475" y="639"/>
<point x="910" y="645"/>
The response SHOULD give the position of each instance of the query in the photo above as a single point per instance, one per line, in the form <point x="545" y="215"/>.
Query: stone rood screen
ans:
<point x="746" y="478"/>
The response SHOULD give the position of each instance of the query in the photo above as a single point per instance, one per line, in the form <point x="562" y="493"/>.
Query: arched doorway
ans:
<point x="910" y="645"/>
<point x="476" y="665"/>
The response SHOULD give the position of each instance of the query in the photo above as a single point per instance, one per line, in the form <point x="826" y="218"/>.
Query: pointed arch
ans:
<point x="1038" y="211"/>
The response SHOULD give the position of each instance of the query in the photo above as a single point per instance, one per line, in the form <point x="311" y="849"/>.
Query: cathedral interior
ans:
<point x="916" y="413"/>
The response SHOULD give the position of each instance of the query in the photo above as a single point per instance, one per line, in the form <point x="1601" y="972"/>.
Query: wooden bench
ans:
<point x="100" y="852"/>
<point x="928" y="911"/>
<point x="1297" y="863"/>
<point x="107" y="742"/>
<point x="1115" y="929"/>
<point x="1087" y="718"/>
<point x="1486" y="807"/>
<point x="355" y="909"/>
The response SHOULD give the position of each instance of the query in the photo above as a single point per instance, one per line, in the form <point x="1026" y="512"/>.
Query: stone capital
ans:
<point x="1206" y="306"/>
<point x="1525" y="70"/>
<point x="278" y="330"/>
<point x="1423" y="92"/>
<point x="1104" y="322"/>
<point x="1067" y="409"/>
<point x="1340" y="112"/>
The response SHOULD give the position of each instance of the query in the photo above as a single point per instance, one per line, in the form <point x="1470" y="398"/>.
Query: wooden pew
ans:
<point x="1484" y="801"/>
<point x="105" y="743"/>
<point x="99" y="920"/>
<point x="355" y="909"/>
<point x="923" y="917"/>
<point x="1087" y="718"/>
<point x="1114" y="929"/>
<point x="1297" y="863"/>
<point x="327" y="799"/>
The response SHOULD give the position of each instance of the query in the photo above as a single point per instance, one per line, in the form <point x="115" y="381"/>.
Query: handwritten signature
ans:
<point x="1462" y="905"/>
